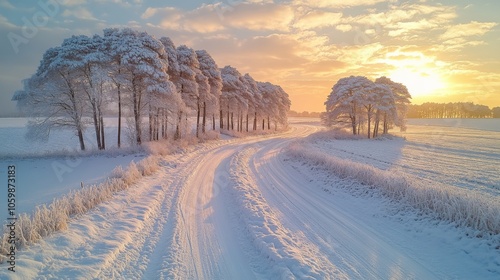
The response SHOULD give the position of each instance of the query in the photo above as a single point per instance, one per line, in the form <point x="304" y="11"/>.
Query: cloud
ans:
<point x="123" y="3"/>
<point x="6" y="5"/>
<point x="260" y="17"/>
<point x="217" y="17"/>
<point x="165" y="11"/>
<point x="344" y="27"/>
<point x="337" y="3"/>
<point x="473" y="28"/>
<point x="317" y="19"/>
<point x="79" y="13"/>
<point x="71" y="2"/>
<point x="5" y="23"/>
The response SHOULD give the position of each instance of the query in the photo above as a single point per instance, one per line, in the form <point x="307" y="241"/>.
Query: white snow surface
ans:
<point x="244" y="209"/>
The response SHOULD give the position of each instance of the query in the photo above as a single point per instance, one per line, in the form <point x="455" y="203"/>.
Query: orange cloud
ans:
<point x="473" y="28"/>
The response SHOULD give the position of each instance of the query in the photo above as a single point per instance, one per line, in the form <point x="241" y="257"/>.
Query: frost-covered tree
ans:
<point x="399" y="107"/>
<point x="51" y="98"/>
<point x="343" y="105"/>
<point x="115" y="50"/>
<point x="355" y="100"/>
<point x="173" y="69"/>
<point x="276" y="104"/>
<point x="231" y="100"/>
<point x="385" y="108"/>
<point x="144" y="61"/>
<point x="203" y="95"/>
<point x="87" y="59"/>
<point x="187" y="84"/>
<point x="373" y="99"/>
<point x="173" y="72"/>
<point x="209" y="68"/>
<point x="254" y="97"/>
<point x="284" y="104"/>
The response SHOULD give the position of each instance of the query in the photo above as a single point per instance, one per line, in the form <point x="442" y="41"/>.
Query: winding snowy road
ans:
<point x="241" y="209"/>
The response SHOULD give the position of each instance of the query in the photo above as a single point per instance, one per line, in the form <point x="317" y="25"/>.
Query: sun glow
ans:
<point x="418" y="72"/>
<point x="420" y="83"/>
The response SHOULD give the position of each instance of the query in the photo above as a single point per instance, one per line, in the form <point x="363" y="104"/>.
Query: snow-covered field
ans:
<point x="246" y="209"/>
<point x="462" y="153"/>
<point x="48" y="170"/>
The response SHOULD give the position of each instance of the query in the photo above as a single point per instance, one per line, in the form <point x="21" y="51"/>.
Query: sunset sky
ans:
<point x="441" y="50"/>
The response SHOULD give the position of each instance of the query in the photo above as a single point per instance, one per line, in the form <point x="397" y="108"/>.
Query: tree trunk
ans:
<point x="247" y="122"/>
<point x="263" y="124"/>
<point x="386" y="125"/>
<point x="232" y="121"/>
<point x="353" y="122"/>
<point x="221" y="120"/>
<point x="137" y="118"/>
<point x="376" y="124"/>
<point x="177" y="134"/>
<point x="268" y="123"/>
<point x="166" y="124"/>
<point x="369" y="125"/>
<point x="157" y="124"/>
<point x="213" y="121"/>
<point x="151" y="125"/>
<point x="227" y="117"/>
<point x="238" y="122"/>
<point x="162" y="124"/>
<point x="204" y="122"/>
<point x="103" y="143"/>
<point x="119" y="114"/>
<point x="255" y="121"/>
<point x="80" y="138"/>
<point x="198" y="113"/>
<point x="96" y="126"/>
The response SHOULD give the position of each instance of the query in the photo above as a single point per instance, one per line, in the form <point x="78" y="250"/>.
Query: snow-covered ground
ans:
<point x="245" y="209"/>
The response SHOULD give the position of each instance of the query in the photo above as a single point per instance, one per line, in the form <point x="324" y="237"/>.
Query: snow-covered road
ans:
<point x="242" y="209"/>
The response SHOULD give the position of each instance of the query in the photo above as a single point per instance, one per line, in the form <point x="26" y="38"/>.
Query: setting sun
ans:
<point x="419" y="83"/>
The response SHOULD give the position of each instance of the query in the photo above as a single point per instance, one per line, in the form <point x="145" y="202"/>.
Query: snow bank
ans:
<point x="461" y="206"/>
<point x="290" y="256"/>
<point x="47" y="219"/>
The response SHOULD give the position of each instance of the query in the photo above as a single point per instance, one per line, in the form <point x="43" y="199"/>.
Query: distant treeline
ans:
<point x="463" y="110"/>
<point x="305" y="114"/>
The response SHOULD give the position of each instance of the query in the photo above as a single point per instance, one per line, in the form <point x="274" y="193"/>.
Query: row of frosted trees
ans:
<point x="360" y="104"/>
<point x="131" y="74"/>
<point x="452" y="110"/>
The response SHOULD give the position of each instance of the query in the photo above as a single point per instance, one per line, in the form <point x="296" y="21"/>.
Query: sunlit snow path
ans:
<point x="241" y="209"/>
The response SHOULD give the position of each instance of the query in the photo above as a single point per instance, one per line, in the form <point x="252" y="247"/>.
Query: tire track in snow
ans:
<point x="290" y="254"/>
<point x="358" y="250"/>
<point x="143" y="232"/>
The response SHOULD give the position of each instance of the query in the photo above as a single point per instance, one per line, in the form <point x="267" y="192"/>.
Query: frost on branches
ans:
<point x="365" y="106"/>
<point x="131" y="74"/>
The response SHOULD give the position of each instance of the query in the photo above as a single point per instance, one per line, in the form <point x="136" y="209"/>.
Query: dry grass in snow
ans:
<point x="461" y="206"/>
<point x="47" y="219"/>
